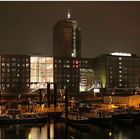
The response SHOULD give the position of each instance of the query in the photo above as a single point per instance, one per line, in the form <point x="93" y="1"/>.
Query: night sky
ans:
<point x="26" y="27"/>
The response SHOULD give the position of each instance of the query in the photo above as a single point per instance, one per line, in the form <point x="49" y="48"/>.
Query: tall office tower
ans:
<point x="66" y="38"/>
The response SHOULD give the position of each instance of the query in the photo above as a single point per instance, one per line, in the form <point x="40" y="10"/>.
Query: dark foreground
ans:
<point x="59" y="130"/>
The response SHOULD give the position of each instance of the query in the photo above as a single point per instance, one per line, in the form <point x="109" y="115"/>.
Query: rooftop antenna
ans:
<point x="68" y="15"/>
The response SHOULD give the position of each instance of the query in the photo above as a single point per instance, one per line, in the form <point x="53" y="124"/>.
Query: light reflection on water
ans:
<point x="54" y="130"/>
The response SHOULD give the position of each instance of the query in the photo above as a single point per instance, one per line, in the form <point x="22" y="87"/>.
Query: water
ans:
<point x="58" y="130"/>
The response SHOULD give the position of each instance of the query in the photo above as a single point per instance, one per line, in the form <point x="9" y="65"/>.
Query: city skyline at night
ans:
<point x="26" y="27"/>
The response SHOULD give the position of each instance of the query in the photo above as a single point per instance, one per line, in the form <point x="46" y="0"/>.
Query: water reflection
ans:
<point x="59" y="130"/>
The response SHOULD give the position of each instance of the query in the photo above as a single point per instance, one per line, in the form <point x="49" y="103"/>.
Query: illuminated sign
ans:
<point x="120" y="54"/>
<point x="96" y="90"/>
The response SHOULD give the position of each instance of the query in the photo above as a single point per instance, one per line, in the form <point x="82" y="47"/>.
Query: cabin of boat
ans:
<point x="98" y="114"/>
<point x="123" y="116"/>
<point x="76" y="116"/>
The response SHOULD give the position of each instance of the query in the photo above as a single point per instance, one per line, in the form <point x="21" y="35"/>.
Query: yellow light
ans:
<point x="110" y="134"/>
<point x="42" y="107"/>
<point x="29" y="136"/>
<point x="113" y="106"/>
<point x="51" y="131"/>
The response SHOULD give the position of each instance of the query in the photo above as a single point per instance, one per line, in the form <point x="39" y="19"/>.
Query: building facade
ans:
<point x="118" y="72"/>
<point x="75" y="73"/>
<point x="66" y="73"/>
<point x="15" y="73"/>
<point x="66" y="38"/>
<point x="41" y="71"/>
<point x="86" y="74"/>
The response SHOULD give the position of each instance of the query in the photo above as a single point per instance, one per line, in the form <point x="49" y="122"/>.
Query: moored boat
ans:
<point x="99" y="116"/>
<point x="15" y="116"/>
<point x="75" y="116"/>
<point x="123" y="116"/>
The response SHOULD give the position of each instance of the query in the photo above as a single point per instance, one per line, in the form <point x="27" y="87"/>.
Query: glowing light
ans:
<point x="110" y="134"/>
<point x="51" y="131"/>
<point x="68" y="15"/>
<point x="113" y="106"/>
<point x="96" y="90"/>
<point x="120" y="54"/>
<point x="42" y="107"/>
<point x="29" y="136"/>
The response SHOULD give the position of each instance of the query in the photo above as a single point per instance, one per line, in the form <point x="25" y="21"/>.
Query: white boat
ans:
<point x="15" y="116"/>
<point x="123" y="116"/>
<point x="75" y="116"/>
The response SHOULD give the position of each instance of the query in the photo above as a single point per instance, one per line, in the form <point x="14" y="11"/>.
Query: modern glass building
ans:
<point x="41" y="71"/>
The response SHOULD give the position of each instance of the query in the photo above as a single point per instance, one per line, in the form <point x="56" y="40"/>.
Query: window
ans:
<point x="27" y="59"/>
<point x="120" y="58"/>
<point x="13" y="59"/>
<point x="13" y="64"/>
<point x="3" y="64"/>
<point x="27" y="65"/>
<point x="8" y="65"/>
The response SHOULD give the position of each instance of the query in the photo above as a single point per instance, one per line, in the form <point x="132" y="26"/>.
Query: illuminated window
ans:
<point x="68" y="75"/>
<point x="27" y="59"/>
<point x="3" y="64"/>
<point x="68" y="66"/>
<point x="77" y="62"/>
<point x="8" y="65"/>
<point x="41" y="69"/>
<point x="27" y="65"/>
<point x="14" y="64"/>
<point x="13" y="59"/>
<point x="23" y="65"/>
<point x="3" y="59"/>
<point x="13" y="69"/>
<point x="7" y="85"/>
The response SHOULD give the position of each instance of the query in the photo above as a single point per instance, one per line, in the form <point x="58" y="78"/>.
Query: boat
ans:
<point x="15" y="116"/>
<point x="100" y="116"/>
<point x="75" y="116"/>
<point x="123" y="116"/>
<point x="136" y="116"/>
